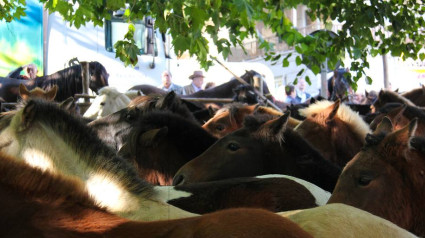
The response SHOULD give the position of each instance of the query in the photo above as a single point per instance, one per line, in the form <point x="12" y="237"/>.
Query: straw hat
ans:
<point x="197" y="73"/>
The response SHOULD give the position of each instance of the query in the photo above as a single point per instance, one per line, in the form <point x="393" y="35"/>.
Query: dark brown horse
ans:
<point x="335" y="130"/>
<point x="261" y="147"/>
<point x="34" y="203"/>
<point x="386" y="178"/>
<point x="159" y="143"/>
<point x="387" y="96"/>
<point x="338" y="85"/>
<point x="417" y="96"/>
<point x="68" y="81"/>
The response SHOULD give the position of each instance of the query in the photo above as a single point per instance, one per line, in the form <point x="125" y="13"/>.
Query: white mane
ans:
<point x="345" y="113"/>
<point x="107" y="102"/>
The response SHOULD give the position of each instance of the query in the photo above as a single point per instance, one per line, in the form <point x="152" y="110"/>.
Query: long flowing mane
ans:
<point x="344" y="113"/>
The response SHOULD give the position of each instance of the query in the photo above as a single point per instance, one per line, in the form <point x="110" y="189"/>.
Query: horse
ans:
<point x="275" y="193"/>
<point x="113" y="129"/>
<point x="386" y="177"/>
<point x="338" y="85"/>
<point x="47" y="137"/>
<point x="416" y="96"/>
<point x="386" y="96"/>
<point x="341" y="220"/>
<point x="231" y="116"/>
<point x="36" y="203"/>
<point x="69" y="82"/>
<point x="261" y="147"/>
<point x="335" y="130"/>
<point x="108" y="101"/>
<point x="160" y="142"/>
<point x="245" y="94"/>
<point x="37" y="92"/>
<point x="400" y="115"/>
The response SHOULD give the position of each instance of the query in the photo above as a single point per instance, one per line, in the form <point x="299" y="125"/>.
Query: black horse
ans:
<point x="69" y="82"/>
<point x="338" y="85"/>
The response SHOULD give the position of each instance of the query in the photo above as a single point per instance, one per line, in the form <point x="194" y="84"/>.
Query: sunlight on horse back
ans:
<point x="54" y="205"/>
<point x="108" y="101"/>
<point x="335" y="130"/>
<point x="340" y="220"/>
<point x="45" y="136"/>
<point x="386" y="178"/>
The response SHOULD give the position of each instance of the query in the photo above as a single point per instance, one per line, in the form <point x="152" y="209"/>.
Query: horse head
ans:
<point x="98" y="76"/>
<point x="339" y="84"/>
<point x="386" y="177"/>
<point x="254" y="79"/>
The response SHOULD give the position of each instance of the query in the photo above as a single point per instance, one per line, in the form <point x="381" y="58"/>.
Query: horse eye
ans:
<point x="364" y="180"/>
<point x="233" y="147"/>
<point x="219" y="127"/>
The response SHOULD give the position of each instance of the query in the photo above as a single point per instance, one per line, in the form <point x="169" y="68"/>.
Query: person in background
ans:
<point x="168" y="85"/>
<point x="197" y="80"/>
<point x="291" y="94"/>
<point x="29" y="69"/>
<point x="302" y="95"/>
<point x="209" y="85"/>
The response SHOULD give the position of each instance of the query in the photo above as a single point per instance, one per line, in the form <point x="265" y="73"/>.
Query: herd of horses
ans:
<point x="157" y="164"/>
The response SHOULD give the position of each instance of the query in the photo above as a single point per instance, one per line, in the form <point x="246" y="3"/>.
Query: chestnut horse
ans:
<point x="400" y="115"/>
<point x="45" y="136"/>
<point x="386" y="178"/>
<point x="231" y="116"/>
<point x="36" y="203"/>
<point x="261" y="147"/>
<point x="69" y="82"/>
<point x="335" y="130"/>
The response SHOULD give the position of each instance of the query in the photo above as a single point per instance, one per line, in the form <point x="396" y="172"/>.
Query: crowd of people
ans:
<point x="197" y="78"/>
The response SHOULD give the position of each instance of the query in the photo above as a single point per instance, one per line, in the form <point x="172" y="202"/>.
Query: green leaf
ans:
<point x="298" y="60"/>
<point x="285" y="63"/>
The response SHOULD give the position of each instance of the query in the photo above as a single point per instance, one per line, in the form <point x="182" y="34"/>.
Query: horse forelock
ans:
<point x="345" y="113"/>
<point x="42" y="185"/>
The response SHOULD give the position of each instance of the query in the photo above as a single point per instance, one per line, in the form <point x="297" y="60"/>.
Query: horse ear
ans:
<point x="168" y="100"/>
<point x="152" y="137"/>
<point x="275" y="128"/>
<point x="385" y="126"/>
<point x="51" y="94"/>
<point x="23" y="92"/>
<point x="312" y="100"/>
<point x="28" y="114"/>
<point x="396" y="90"/>
<point x="406" y="133"/>
<point x="334" y="110"/>
<point x="67" y="104"/>
<point x="395" y="114"/>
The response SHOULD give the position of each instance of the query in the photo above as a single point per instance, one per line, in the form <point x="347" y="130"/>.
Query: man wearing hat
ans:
<point x="197" y="80"/>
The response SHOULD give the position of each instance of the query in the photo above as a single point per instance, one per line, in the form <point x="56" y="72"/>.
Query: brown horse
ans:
<point x="261" y="147"/>
<point x="386" y="178"/>
<point x="417" y="96"/>
<point x="400" y="115"/>
<point x="231" y="116"/>
<point x="37" y="92"/>
<point x="387" y="96"/>
<point x="335" y="130"/>
<point x="69" y="82"/>
<point x="34" y="203"/>
<point x="160" y="142"/>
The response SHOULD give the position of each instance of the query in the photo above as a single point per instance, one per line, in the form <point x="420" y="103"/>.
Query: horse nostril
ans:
<point x="178" y="180"/>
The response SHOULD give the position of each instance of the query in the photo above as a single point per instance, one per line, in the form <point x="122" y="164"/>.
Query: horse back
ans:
<point x="9" y="88"/>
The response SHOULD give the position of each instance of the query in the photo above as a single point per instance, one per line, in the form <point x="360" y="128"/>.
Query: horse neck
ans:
<point x="314" y="167"/>
<point x="69" y="82"/>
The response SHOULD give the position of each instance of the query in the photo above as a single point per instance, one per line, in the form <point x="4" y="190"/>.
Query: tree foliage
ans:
<point x="370" y="27"/>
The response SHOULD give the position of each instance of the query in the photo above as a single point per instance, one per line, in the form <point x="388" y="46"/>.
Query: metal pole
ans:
<point x="324" y="79"/>
<point x="385" y="67"/>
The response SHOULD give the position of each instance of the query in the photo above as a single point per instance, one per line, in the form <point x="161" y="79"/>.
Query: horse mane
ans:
<point x="113" y="94"/>
<point x="42" y="185"/>
<point x="231" y="108"/>
<point x="344" y="113"/>
<point x="78" y="135"/>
